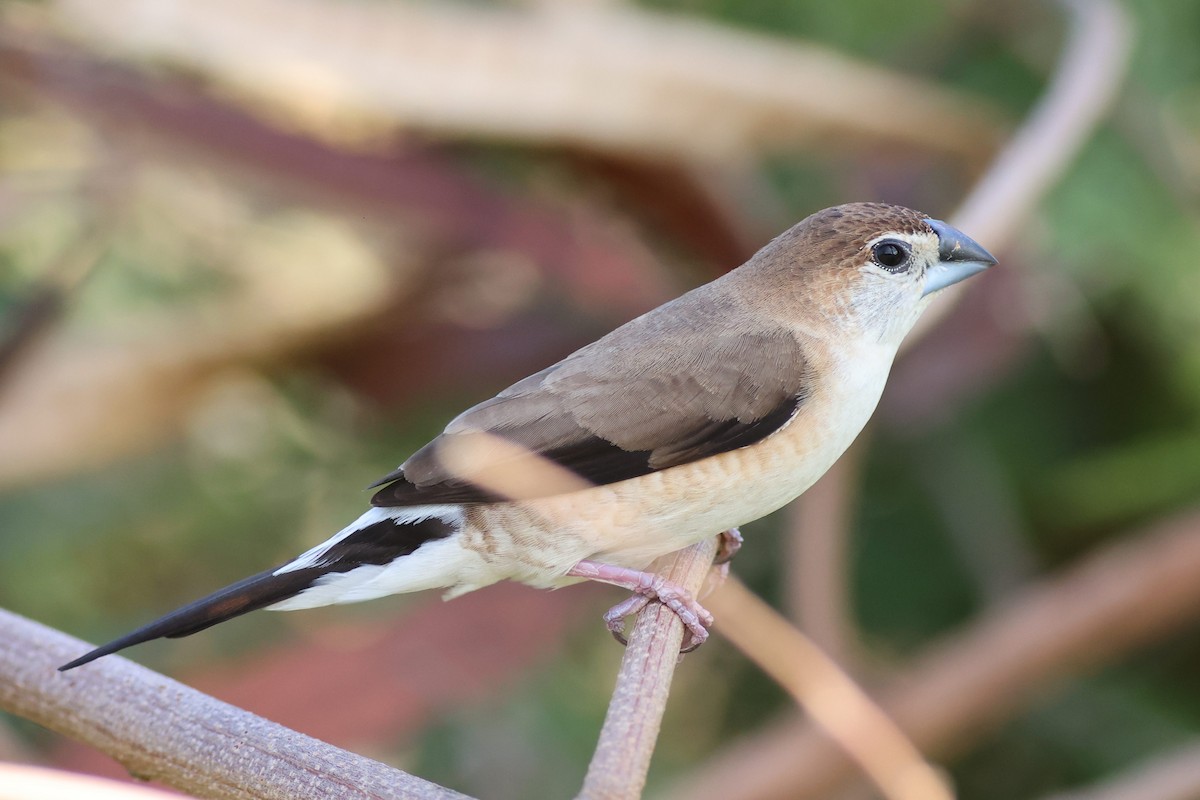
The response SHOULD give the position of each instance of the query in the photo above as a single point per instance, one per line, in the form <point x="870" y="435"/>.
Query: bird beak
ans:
<point x="960" y="257"/>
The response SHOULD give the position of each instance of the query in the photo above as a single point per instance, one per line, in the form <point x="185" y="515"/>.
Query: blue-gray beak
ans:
<point x="960" y="257"/>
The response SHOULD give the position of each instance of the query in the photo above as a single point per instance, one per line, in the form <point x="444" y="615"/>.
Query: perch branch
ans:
<point x="622" y="756"/>
<point x="161" y="730"/>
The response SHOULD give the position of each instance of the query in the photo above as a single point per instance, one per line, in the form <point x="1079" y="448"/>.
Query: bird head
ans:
<point x="869" y="268"/>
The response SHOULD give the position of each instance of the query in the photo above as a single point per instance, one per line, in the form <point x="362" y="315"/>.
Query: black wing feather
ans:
<point x="599" y="461"/>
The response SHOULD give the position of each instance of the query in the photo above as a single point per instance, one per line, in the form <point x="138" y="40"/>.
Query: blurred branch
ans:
<point x="1085" y="82"/>
<point x="1174" y="776"/>
<point x="1126" y="596"/>
<point x="829" y="696"/>
<point x="818" y="561"/>
<point x="138" y="391"/>
<point x="85" y="403"/>
<point x="622" y="756"/>
<point x="47" y="299"/>
<point x="162" y="730"/>
<point x="597" y="77"/>
<point x="701" y="208"/>
<point x="1083" y="86"/>
<point x="417" y="190"/>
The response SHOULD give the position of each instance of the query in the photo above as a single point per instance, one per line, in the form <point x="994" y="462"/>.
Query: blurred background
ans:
<point x="254" y="253"/>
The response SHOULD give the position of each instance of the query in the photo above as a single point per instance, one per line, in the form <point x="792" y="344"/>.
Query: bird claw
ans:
<point x="614" y="618"/>
<point x="696" y="618"/>
<point x="647" y="586"/>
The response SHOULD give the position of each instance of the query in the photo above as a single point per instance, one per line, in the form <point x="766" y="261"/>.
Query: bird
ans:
<point x="689" y="421"/>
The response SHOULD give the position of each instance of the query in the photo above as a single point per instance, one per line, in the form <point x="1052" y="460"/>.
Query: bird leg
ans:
<point x="647" y="586"/>
<point x="730" y="542"/>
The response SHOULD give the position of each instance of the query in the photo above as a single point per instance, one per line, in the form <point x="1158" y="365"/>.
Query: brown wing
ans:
<point x="664" y="390"/>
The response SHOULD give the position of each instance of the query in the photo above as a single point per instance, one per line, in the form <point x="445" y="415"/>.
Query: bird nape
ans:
<point x="704" y="414"/>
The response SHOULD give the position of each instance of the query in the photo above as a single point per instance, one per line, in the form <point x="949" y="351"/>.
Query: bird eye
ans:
<point x="892" y="256"/>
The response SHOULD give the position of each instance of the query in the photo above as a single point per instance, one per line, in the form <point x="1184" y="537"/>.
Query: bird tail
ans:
<point x="337" y="571"/>
<point x="251" y="594"/>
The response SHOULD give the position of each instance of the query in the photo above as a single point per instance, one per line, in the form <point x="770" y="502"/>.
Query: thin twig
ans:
<point x="1085" y="82"/>
<point x="1128" y="595"/>
<point x="831" y="698"/>
<point x="162" y="730"/>
<point x="622" y="757"/>
<point x="47" y="300"/>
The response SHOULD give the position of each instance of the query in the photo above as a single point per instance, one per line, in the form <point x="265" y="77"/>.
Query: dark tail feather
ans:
<point x="253" y="593"/>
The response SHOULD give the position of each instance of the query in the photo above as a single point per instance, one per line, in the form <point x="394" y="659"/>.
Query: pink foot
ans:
<point x="646" y="587"/>
<point x="614" y="618"/>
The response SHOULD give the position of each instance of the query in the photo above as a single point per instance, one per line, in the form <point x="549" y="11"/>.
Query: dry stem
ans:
<point x="162" y="730"/>
<point x="622" y="757"/>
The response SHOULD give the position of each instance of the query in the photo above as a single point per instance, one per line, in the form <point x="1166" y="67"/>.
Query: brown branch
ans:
<point x="1131" y="593"/>
<point x="162" y="730"/>
<point x="622" y="757"/>
<point x="430" y="205"/>
<point x="47" y="299"/>
<point x="608" y="79"/>
<point x="829" y="696"/>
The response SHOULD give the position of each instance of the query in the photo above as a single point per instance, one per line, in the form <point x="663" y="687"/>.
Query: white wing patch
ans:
<point x="451" y="515"/>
